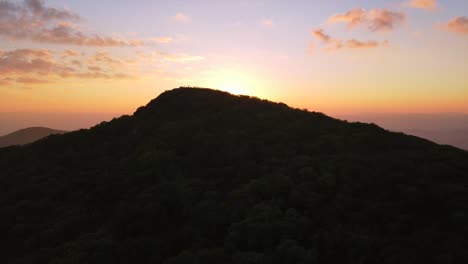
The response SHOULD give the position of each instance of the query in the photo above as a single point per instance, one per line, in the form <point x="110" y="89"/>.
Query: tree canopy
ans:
<point x="202" y="176"/>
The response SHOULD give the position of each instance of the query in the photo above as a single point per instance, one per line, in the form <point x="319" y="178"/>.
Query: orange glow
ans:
<point x="234" y="82"/>
<point x="351" y="68"/>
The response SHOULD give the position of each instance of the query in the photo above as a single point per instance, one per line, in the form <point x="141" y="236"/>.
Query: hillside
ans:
<point x="27" y="135"/>
<point x="202" y="176"/>
<point x="441" y="128"/>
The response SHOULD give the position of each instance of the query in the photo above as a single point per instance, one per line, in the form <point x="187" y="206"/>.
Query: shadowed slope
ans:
<point x="201" y="176"/>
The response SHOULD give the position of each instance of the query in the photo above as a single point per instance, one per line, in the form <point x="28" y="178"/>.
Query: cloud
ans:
<point x="102" y="75"/>
<point x="180" y="17"/>
<point x="266" y="22"/>
<point x="22" y="61"/>
<point x="32" y="20"/>
<point x="5" y="81"/>
<point x="42" y="66"/>
<point x="332" y="44"/>
<point x="356" y="44"/>
<point x="76" y="63"/>
<point x="48" y="13"/>
<point x="163" y="40"/>
<point x="29" y="66"/>
<point x="67" y="34"/>
<point x="458" y="25"/>
<point x="159" y="55"/>
<point x="180" y="57"/>
<point x="352" y="18"/>
<point x="183" y="58"/>
<point x="321" y="35"/>
<point x="423" y="4"/>
<point x="103" y="57"/>
<point x="385" y="20"/>
<point x="375" y="20"/>
<point x="70" y="53"/>
<point x="29" y="80"/>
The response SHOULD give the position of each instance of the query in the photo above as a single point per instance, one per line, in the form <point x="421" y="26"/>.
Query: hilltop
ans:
<point x="202" y="176"/>
<point x="27" y="135"/>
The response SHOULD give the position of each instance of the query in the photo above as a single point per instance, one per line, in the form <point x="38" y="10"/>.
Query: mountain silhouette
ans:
<point x="27" y="135"/>
<point x="202" y="176"/>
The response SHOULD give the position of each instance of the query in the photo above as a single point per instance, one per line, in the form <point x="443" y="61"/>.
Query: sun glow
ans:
<point x="233" y="89"/>
<point x="234" y="82"/>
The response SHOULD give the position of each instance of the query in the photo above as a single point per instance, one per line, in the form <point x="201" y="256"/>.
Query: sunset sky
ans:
<point x="335" y="56"/>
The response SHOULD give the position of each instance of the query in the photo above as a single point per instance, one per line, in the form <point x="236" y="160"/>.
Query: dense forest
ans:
<point x="202" y="176"/>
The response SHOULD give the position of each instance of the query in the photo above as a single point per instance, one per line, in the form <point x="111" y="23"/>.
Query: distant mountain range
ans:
<point x="202" y="176"/>
<point x="27" y="135"/>
<point x="12" y="121"/>
<point x="441" y="128"/>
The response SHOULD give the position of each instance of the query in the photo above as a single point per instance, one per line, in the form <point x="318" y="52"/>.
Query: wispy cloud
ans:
<point x="181" y="17"/>
<point x="356" y="44"/>
<point x="37" y="8"/>
<point x="332" y="44"/>
<point x="42" y="66"/>
<point x="182" y="58"/>
<point x="22" y="61"/>
<point x="32" y="20"/>
<point x="163" y="40"/>
<point x="351" y="18"/>
<point x="458" y="25"/>
<point x="374" y="20"/>
<point x="29" y="80"/>
<point x="160" y="55"/>
<point x="6" y="81"/>
<point x="30" y="66"/>
<point x="69" y="53"/>
<point x="321" y="35"/>
<point x="423" y="4"/>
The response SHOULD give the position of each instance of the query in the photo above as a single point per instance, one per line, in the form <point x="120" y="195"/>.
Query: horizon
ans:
<point x="441" y="128"/>
<point x="17" y="120"/>
<point x="351" y="57"/>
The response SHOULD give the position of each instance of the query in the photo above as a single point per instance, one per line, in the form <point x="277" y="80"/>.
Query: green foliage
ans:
<point x="201" y="176"/>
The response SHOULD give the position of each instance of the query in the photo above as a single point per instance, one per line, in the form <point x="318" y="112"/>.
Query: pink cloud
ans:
<point x="33" y="66"/>
<point x="458" y="25"/>
<point x="356" y="44"/>
<point x="48" y="13"/>
<point x="32" y="20"/>
<point x="374" y="20"/>
<point x="28" y="66"/>
<point x="332" y="44"/>
<point x="352" y="18"/>
<point x="423" y="4"/>
<point x="321" y="35"/>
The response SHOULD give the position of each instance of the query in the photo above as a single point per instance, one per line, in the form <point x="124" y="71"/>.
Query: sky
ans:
<point x="336" y="56"/>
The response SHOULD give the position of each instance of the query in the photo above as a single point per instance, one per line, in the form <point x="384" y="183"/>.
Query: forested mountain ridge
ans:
<point x="202" y="176"/>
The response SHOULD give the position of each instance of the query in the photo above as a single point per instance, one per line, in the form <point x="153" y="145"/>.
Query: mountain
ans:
<point x="12" y="121"/>
<point x="441" y="128"/>
<point x="27" y="135"/>
<point x="455" y="137"/>
<point x="202" y="176"/>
